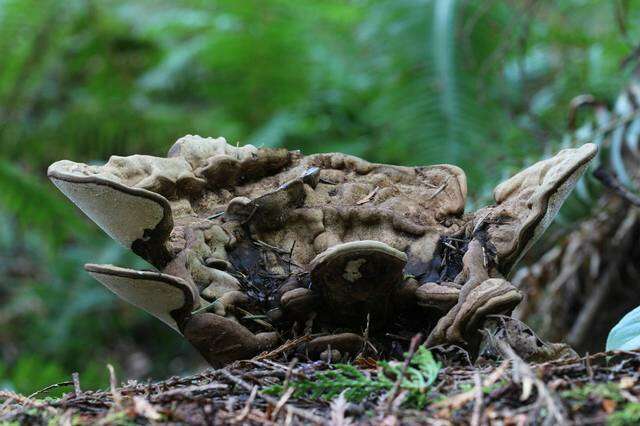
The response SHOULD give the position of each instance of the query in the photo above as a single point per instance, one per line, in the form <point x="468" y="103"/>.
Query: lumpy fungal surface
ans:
<point x="253" y="246"/>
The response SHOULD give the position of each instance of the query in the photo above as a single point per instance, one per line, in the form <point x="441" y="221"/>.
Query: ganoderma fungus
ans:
<point x="255" y="245"/>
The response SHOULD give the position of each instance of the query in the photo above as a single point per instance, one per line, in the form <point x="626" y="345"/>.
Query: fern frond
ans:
<point x="356" y="384"/>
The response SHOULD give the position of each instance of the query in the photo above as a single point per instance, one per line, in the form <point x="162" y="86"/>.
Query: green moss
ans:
<point x="601" y="390"/>
<point x="358" y="385"/>
<point x="629" y="415"/>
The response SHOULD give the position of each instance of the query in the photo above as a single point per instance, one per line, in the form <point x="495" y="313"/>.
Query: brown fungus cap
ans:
<point x="251" y="241"/>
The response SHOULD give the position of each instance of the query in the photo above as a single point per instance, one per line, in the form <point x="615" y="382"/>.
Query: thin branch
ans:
<point x="610" y="180"/>
<point x="395" y="391"/>
<point x="476" y="419"/>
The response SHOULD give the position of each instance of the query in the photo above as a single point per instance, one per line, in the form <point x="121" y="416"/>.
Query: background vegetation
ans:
<point x="484" y="85"/>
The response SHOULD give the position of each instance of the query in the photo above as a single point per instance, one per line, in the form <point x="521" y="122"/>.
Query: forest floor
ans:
<point x="599" y="389"/>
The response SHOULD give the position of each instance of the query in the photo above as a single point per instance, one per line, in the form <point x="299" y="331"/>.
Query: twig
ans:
<point x="278" y="252"/>
<point x="188" y="391"/>
<point x="271" y="400"/>
<point x="397" y="337"/>
<point x="525" y="373"/>
<point x="327" y="182"/>
<point x="478" y="405"/>
<point x="610" y="180"/>
<point x="439" y="190"/>
<point x="206" y="308"/>
<point x="258" y="319"/>
<point x="291" y="256"/>
<point x="215" y="215"/>
<point x="247" y="406"/>
<point x="289" y="344"/>
<point x="287" y="376"/>
<point x="75" y="377"/>
<point x="587" y="362"/>
<point x="113" y="383"/>
<point x="395" y="390"/>
<point x="269" y="246"/>
<point x="9" y="396"/>
<point x="611" y="125"/>
<point x="368" y="197"/>
<point x="53" y="386"/>
<point x="282" y="401"/>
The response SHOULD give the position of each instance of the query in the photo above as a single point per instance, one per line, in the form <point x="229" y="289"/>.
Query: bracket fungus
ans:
<point x="257" y="245"/>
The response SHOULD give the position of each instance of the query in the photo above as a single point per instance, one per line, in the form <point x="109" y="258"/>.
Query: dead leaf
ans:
<point x="527" y="387"/>
<point x="627" y="382"/>
<point x="609" y="405"/>
<point x="143" y="408"/>
<point x="338" y="411"/>
<point x="368" y="362"/>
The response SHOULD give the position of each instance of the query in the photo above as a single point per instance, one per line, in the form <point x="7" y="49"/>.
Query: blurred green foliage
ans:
<point x="484" y="85"/>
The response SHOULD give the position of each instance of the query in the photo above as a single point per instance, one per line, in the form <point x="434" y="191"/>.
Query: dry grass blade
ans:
<point x="247" y="407"/>
<point x="286" y="346"/>
<point x="113" y="383"/>
<point x="48" y="388"/>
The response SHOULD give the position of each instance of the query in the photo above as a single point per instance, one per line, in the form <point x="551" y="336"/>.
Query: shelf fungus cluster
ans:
<point x="258" y="245"/>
